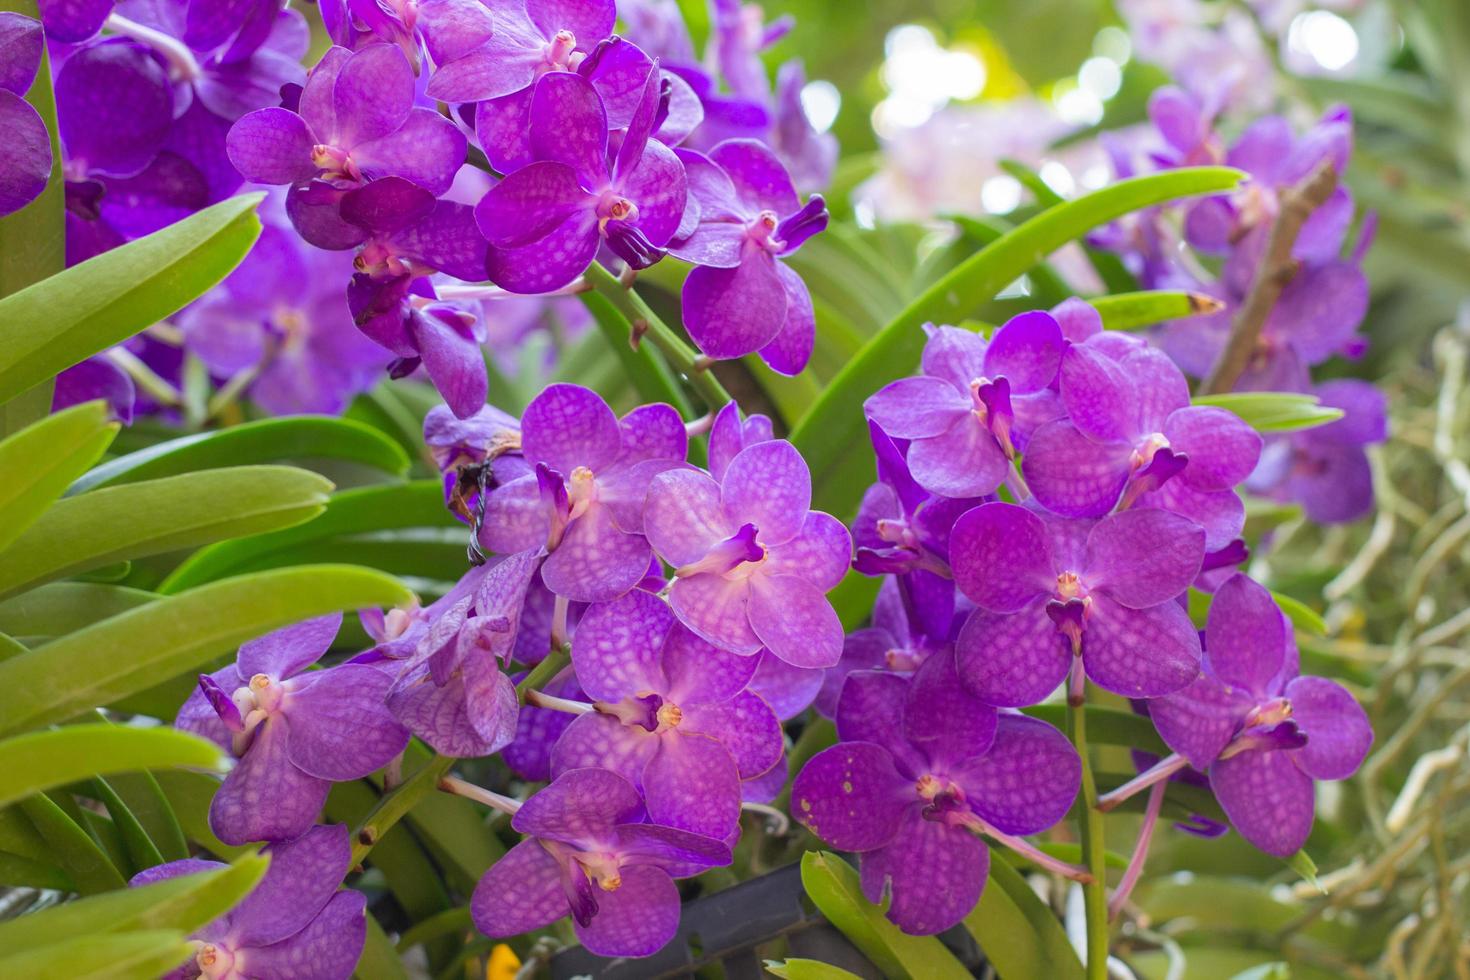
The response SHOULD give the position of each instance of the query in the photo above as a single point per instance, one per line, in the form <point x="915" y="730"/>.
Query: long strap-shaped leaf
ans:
<point x="117" y="956"/>
<point x="1017" y="931"/>
<point x="832" y="436"/>
<point x="40" y="460"/>
<point x="134" y="651"/>
<point x="68" y="317"/>
<point x="38" y="761"/>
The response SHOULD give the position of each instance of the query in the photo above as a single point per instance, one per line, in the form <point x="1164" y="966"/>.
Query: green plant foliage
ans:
<point x="40" y="760"/>
<point x="1274" y="411"/>
<point x="39" y="462"/>
<point x="1018" y="931"/>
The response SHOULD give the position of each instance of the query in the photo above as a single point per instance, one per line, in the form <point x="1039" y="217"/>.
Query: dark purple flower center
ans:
<point x="992" y="406"/>
<point x="944" y="800"/>
<point x="1152" y="464"/>
<point x="797" y="228"/>
<point x="737" y="556"/>
<point x="651" y="712"/>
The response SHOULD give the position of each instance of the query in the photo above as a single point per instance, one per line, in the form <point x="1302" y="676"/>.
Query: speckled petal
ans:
<point x="340" y="725"/>
<point x="595" y="561"/>
<point x="788" y="690"/>
<point x="569" y="126"/>
<point x="745" y="725"/>
<point x="1012" y="660"/>
<point x="598" y="741"/>
<point x="638" y="918"/>
<point x="1140" y="653"/>
<point x="1144" y="556"/>
<point x="520" y="892"/>
<point x="567" y="426"/>
<point x="794" y="620"/>
<point x="964" y="461"/>
<point x="699" y="672"/>
<point x="1073" y="475"/>
<point x="302" y="877"/>
<point x="1337" y="729"/>
<point x="515" y="517"/>
<point x="1246" y="635"/>
<point x="327" y="949"/>
<point x="736" y="311"/>
<point x="1027" y="781"/>
<point x="949" y="723"/>
<point x="617" y="646"/>
<point x="1222" y="449"/>
<point x="916" y="408"/>
<point x="692" y="783"/>
<point x="716" y="608"/>
<point x="1001" y="556"/>
<point x="1026" y="351"/>
<point x="580" y="805"/>
<point x="1099" y="396"/>
<point x="1267" y="798"/>
<point x="934" y="872"/>
<point x="768" y="485"/>
<point x="289" y="650"/>
<point x="851" y="796"/>
<point x="265" y="797"/>
<point x="1200" y="720"/>
<point x="683" y="517"/>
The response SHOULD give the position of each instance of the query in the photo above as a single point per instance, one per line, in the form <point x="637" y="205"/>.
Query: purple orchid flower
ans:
<point x="729" y="434"/>
<point x="589" y="854"/>
<point x="752" y="562"/>
<point x="537" y="729"/>
<point x="741" y="298"/>
<point x="1326" y="469"/>
<point x="96" y="377"/>
<point x="922" y="768"/>
<point x="448" y="29"/>
<point x="788" y="689"/>
<point x="357" y="121"/>
<point x="294" y="923"/>
<point x="452" y="692"/>
<point x="974" y="406"/>
<point x="294" y="731"/>
<point x="547" y="220"/>
<point x="810" y="156"/>
<point x="671" y="714"/>
<point x="74" y="21"/>
<point x="585" y="501"/>
<point x="25" y="155"/>
<point x="1262" y="733"/>
<point x="1049" y="592"/>
<point x="485" y="446"/>
<point x="1131" y="436"/>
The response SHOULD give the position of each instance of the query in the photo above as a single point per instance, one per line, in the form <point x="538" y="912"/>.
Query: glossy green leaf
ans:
<point x="40" y="460"/>
<point x="832" y="885"/>
<point x="138" y="847"/>
<point x="119" y="956"/>
<point x="296" y="437"/>
<point x="830" y="433"/>
<point x="40" y="760"/>
<point x="1135" y="311"/>
<point x="648" y="372"/>
<point x="1274" y="411"/>
<point x="135" y="650"/>
<point x="379" y="960"/>
<point x="158" y="516"/>
<point x="1018" y="933"/>
<point x="145" y="799"/>
<point x="1302" y="616"/>
<point x="1107" y="726"/>
<point x="795" y="968"/>
<point x="68" y="317"/>
<point x="369" y="510"/>
<point x="184" y="903"/>
<point x="81" y="857"/>
<point x="63" y="607"/>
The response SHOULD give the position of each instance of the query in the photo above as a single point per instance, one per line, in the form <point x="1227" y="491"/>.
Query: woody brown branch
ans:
<point x="1278" y="267"/>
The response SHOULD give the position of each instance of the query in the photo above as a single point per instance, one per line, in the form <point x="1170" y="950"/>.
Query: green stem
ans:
<point x="1094" y="851"/>
<point x="647" y="325"/>
<point x="395" y="804"/>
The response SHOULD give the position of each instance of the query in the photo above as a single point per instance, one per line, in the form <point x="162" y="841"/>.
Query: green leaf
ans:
<point x="828" y="434"/>
<point x="379" y="960"/>
<point x="1266" y="971"/>
<point x="1302" y="616"/>
<point x="265" y="441"/>
<point x="123" y="956"/>
<point x="367" y="510"/>
<point x="832" y="885"/>
<point x="138" y="847"/>
<point x="38" y="761"/>
<point x="81" y="857"/>
<point x="189" y="795"/>
<point x="800" y="969"/>
<point x="1107" y="726"/>
<point x="1017" y="932"/>
<point x="184" y="903"/>
<point x="1301" y="862"/>
<point x="24" y="872"/>
<point x="40" y="460"/>
<point x="145" y="799"/>
<point x="1274" y="411"/>
<point x="63" y="607"/>
<point x="1135" y="311"/>
<point x="159" y="516"/>
<point x="648" y="372"/>
<point x="137" y="649"/>
<point x="68" y="317"/>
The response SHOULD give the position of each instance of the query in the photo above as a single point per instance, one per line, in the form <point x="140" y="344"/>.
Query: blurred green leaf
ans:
<point x="832" y="885"/>
<point x="68" y="317"/>
<point x="40" y="460"/>
<point x="63" y="607"/>
<point x="1017" y="932"/>
<point x="1135" y="311"/>
<point x="1301" y="862"/>
<point x="795" y="968"/>
<point x="828" y="433"/>
<point x="158" y="516"/>
<point x="649" y="373"/>
<point x="145" y="799"/>
<point x="379" y="960"/>
<point x="1106" y="726"/>
<point x="265" y="441"/>
<point x="132" y="651"/>
<point x="1302" y="616"/>
<point x="1274" y="411"/>
<point x="40" y="760"/>
<point x="122" y="956"/>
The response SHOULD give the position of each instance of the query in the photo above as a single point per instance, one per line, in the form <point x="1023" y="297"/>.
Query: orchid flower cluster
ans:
<point x="1046" y="500"/>
<point x="1326" y="469"/>
<point x="461" y="152"/>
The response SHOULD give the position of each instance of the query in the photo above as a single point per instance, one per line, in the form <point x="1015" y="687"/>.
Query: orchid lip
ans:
<point x="737" y="556"/>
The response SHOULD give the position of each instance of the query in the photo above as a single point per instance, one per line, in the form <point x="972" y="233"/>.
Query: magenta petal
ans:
<point x="715" y="608"/>
<point x="499" y="68"/>
<point x="595" y="561"/>
<point x="761" y="182"/>
<point x="520" y="892"/>
<point x="733" y="312"/>
<point x="712" y="243"/>
<point x="851" y="796"/>
<point x="340" y="726"/>
<point x="569" y="126"/>
<point x="1001" y="556"/>
<point x="550" y="263"/>
<point x="272" y="146"/>
<point x="197" y="714"/>
<point x="328" y="948"/>
<point x="454" y="361"/>
<point x="515" y="517"/>
<point x="25" y="156"/>
<point x="1169" y="560"/>
<point x="372" y="96"/>
<point x="289" y="650"/>
<point x="589" y="21"/>
<point x="745" y="725"/>
<point x="1027" y="781"/>
<point x="871" y="709"/>
<point x="427" y="149"/>
<point x="1073" y="475"/>
<point x="638" y="918"/>
<point x="949" y="723"/>
<point x="678" y="852"/>
<point x="934" y="873"/>
<point x="528" y="204"/>
<point x="1222" y="449"/>
<point x="658" y="186"/>
<point x="954" y="354"/>
<point x="440" y="715"/>
<point x="74" y="20"/>
<point x="1158" y="386"/>
<point x="1221" y="513"/>
<point x="1247" y="635"/>
<point x="788" y="690"/>
<point x="653" y="432"/>
<point x="692" y="784"/>
<point x="1140" y="653"/>
<point x="600" y="742"/>
<point x="580" y="805"/>
<point x="502" y="128"/>
<point x="1320" y="310"/>
<point x="617" y="647"/>
<point x="265" y="797"/>
<point x="1026" y="351"/>
<point x="302" y="877"/>
<point x="491" y="704"/>
<point x="794" y="620"/>
<point x="1100" y="397"/>
<point x="1012" y="660"/>
<point x="963" y="461"/>
<point x="916" y="408"/>
<point x="768" y="485"/>
<point x="819" y="554"/>
<point x="317" y="103"/>
<point x="567" y="426"/>
<point x="1200" y="720"/>
<point x="698" y="672"/>
<point x="683" y="517"/>
<point x="114" y="108"/>
<point x="792" y="347"/>
<point x="173" y="869"/>
<point x="1337" y="729"/>
<point x="1267" y="798"/>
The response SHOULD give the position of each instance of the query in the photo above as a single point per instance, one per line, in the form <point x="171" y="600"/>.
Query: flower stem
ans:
<point x="1140" y="850"/>
<point x="1157" y="773"/>
<point x="646" y="323"/>
<point x="1094" y="855"/>
<point x="458" y="787"/>
<point x="539" y="699"/>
